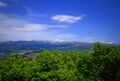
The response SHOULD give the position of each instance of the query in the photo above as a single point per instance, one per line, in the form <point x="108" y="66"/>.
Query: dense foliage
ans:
<point x="102" y="63"/>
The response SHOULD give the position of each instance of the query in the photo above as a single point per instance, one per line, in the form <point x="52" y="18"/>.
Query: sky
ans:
<point x="60" y="20"/>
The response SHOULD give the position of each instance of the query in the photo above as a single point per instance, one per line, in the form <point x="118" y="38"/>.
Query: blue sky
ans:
<point x="61" y="20"/>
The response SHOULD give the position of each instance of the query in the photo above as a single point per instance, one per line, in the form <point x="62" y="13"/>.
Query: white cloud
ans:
<point x="67" y="18"/>
<point x="3" y="4"/>
<point x="31" y="27"/>
<point x="67" y="37"/>
<point x="37" y="27"/>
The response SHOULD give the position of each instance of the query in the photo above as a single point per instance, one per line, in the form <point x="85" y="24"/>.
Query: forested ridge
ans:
<point x="101" y="63"/>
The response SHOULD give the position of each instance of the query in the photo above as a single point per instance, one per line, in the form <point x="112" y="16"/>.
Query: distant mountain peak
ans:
<point x="59" y="40"/>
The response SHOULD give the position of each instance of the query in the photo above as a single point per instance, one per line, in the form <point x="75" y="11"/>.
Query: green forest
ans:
<point x="101" y="63"/>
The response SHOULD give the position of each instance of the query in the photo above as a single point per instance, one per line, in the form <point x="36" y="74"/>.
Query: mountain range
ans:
<point x="9" y="47"/>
